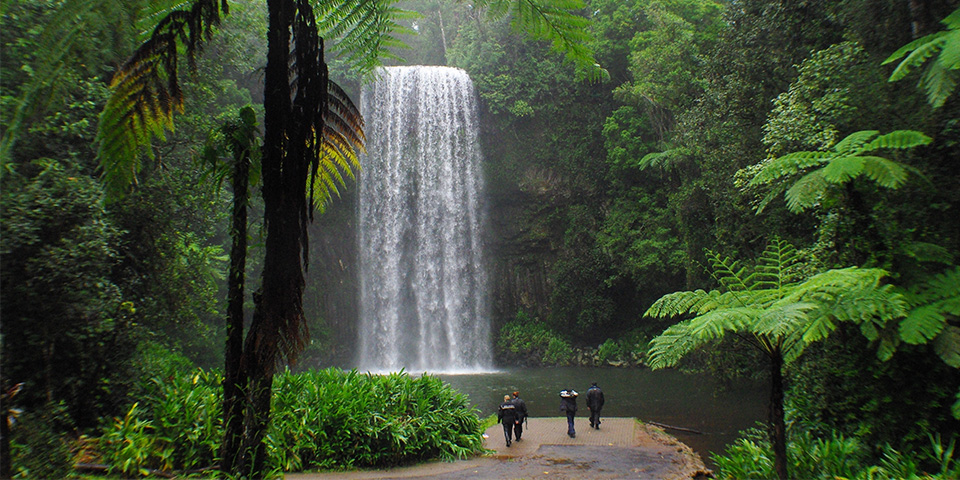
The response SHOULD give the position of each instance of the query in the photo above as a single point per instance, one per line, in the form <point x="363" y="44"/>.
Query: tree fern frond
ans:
<point x="806" y="192"/>
<point x="939" y="83"/>
<point x="842" y="170"/>
<point x="921" y="50"/>
<point x="922" y="324"/>
<point x="728" y="272"/>
<point x="664" y="161"/>
<point x="886" y="173"/>
<point x="771" y="270"/>
<point x="854" y="142"/>
<point x="554" y="21"/>
<point x="930" y="302"/>
<point x="901" y="139"/>
<point x="783" y="319"/>
<point x="787" y="165"/>
<point x="947" y="346"/>
<point x="940" y="78"/>
<point x="677" y="303"/>
<point x="669" y="347"/>
<point x="146" y="93"/>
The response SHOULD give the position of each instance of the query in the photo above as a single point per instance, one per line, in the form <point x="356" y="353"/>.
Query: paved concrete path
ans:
<point x="622" y="448"/>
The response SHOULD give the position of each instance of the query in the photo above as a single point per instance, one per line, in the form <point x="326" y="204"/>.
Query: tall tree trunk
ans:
<point x="234" y="379"/>
<point x="778" y="426"/>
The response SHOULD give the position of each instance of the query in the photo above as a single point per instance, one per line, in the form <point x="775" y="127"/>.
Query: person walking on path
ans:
<point x="521" y="415"/>
<point x="594" y="403"/>
<point x="507" y="415"/>
<point x="568" y="404"/>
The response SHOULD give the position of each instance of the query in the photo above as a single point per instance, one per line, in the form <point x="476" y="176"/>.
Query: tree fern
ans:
<point x="939" y="80"/>
<point x="778" y="314"/>
<point x="848" y="160"/>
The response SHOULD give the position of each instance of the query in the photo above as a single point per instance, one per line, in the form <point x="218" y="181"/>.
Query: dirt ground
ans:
<point x="621" y="449"/>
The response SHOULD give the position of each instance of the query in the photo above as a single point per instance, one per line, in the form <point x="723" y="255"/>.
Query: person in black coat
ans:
<point x="521" y="415"/>
<point x="568" y="404"/>
<point x="507" y="415"/>
<point x="594" y="403"/>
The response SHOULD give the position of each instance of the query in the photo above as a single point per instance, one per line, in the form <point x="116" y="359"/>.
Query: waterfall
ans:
<point x="423" y="293"/>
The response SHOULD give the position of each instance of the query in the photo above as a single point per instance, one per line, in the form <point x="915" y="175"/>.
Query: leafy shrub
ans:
<point x="832" y="458"/>
<point x="610" y="351"/>
<point x="37" y="449"/>
<point x="559" y="352"/>
<point x="320" y="419"/>
<point x="525" y="341"/>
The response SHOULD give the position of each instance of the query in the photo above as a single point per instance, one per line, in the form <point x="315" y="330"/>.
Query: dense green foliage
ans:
<point x="708" y="126"/>
<point x="836" y="457"/>
<point x="321" y="419"/>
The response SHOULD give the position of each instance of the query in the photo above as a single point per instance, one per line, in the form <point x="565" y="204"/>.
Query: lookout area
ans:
<point x="622" y="448"/>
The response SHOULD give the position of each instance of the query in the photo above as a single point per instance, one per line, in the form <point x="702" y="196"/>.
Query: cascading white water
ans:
<point x="423" y="295"/>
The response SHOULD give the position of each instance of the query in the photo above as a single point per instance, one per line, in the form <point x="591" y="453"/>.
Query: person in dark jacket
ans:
<point x="568" y="404"/>
<point x="507" y="415"/>
<point x="521" y="415"/>
<point x="594" y="403"/>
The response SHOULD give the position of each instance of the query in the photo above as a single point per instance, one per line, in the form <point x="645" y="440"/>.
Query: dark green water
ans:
<point x="665" y="396"/>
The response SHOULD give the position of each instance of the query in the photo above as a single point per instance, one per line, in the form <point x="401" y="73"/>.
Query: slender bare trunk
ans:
<point x="778" y="426"/>
<point x="234" y="380"/>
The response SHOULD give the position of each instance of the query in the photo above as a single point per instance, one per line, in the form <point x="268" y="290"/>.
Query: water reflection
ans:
<point x="666" y="396"/>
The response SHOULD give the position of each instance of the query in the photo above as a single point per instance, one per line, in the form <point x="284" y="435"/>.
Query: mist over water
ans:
<point x="423" y="291"/>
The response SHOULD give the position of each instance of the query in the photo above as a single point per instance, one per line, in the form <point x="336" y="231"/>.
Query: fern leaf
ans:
<point x="728" y="272"/>
<point x="556" y="22"/>
<point x="901" y="139"/>
<point x="938" y="83"/>
<point x="922" y="324"/>
<point x="886" y="173"/>
<point x="781" y="320"/>
<point x="678" y="303"/>
<point x="787" y="165"/>
<point x="947" y="346"/>
<point x="927" y="252"/>
<point x="806" y="192"/>
<point x="921" y="50"/>
<point x="842" y="170"/>
<point x="854" y="142"/>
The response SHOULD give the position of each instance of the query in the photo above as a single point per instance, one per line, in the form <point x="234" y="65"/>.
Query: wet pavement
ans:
<point x="622" y="448"/>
